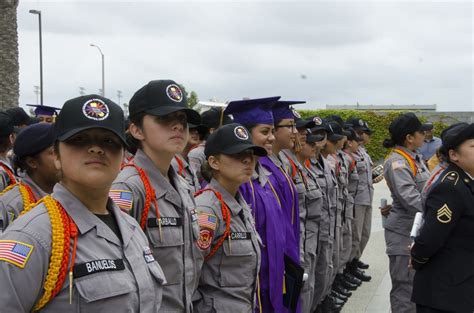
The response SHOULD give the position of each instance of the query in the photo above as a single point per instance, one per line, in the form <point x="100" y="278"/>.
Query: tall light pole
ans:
<point x="103" y="69"/>
<point x="38" y="12"/>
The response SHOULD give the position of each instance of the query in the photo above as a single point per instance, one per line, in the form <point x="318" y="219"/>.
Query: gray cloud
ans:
<point x="370" y="52"/>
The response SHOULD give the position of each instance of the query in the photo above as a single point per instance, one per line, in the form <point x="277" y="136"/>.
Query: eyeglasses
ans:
<point x="291" y="126"/>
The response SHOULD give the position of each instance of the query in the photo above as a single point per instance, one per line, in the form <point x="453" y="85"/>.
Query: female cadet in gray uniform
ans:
<point x="228" y="239"/>
<point x="405" y="174"/>
<point x="34" y="162"/>
<point x="75" y="251"/>
<point x="154" y="194"/>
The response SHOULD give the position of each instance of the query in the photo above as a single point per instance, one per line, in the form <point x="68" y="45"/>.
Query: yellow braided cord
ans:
<point x="25" y="196"/>
<point x="57" y="244"/>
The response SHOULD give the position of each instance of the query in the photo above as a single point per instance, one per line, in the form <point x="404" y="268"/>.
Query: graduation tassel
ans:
<point x="297" y="143"/>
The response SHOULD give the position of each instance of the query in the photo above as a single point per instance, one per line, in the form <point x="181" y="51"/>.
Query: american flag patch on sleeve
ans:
<point x="207" y="220"/>
<point x="15" y="252"/>
<point x="122" y="198"/>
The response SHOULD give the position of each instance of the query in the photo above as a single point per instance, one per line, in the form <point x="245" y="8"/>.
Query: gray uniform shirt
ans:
<point x="365" y="188"/>
<point x="319" y="168"/>
<point x="11" y="202"/>
<point x="352" y="183"/>
<point x="332" y="189"/>
<point x="196" y="158"/>
<point x="187" y="172"/>
<point x="111" y="274"/>
<point x="405" y="190"/>
<point x="229" y="278"/>
<point x="4" y="178"/>
<point x="176" y="250"/>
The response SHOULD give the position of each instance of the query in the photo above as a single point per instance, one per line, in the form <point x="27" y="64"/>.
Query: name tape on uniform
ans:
<point x="165" y="222"/>
<point x="240" y="236"/>
<point x="97" y="266"/>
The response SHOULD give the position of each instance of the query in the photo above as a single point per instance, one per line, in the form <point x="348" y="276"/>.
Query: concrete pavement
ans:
<point x="373" y="297"/>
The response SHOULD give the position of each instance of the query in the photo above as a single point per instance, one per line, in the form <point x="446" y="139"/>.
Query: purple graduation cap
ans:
<point x="282" y="110"/>
<point x="45" y="113"/>
<point x="252" y="111"/>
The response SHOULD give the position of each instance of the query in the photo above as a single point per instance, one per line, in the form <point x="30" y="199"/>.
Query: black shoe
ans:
<point x="335" y="301"/>
<point x="348" y="285"/>
<point x="339" y="296"/>
<point x="361" y="264"/>
<point x="352" y="279"/>
<point x="361" y="275"/>
<point x="340" y="289"/>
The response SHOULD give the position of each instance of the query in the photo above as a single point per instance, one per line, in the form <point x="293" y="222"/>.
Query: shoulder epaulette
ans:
<point x="451" y="177"/>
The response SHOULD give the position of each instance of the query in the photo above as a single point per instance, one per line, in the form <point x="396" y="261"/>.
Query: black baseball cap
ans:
<point x="20" y="117"/>
<point x="302" y="123"/>
<point x="453" y="136"/>
<point x="353" y="135"/>
<point x="212" y="117"/>
<point x="405" y="124"/>
<point x="231" y="139"/>
<point x="336" y="132"/>
<point x="312" y="138"/>
<point x="6" y="124"/>
<point x="162" y="97"/>
<point x="319" y="124"/>
<point x="358" y="124"/>
<point x="91" y="111"/>
<point x="33" y="139"/>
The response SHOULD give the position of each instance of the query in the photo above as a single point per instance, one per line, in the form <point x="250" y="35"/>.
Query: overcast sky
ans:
<point x="377" y="52"/>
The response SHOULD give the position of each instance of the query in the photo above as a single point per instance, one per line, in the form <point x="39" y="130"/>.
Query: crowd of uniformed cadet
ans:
<point x="244" y="209"/>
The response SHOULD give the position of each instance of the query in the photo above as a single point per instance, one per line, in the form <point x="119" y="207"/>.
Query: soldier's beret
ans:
<point x="33" y="139"/>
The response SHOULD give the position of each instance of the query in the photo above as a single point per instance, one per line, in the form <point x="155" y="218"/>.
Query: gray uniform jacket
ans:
<point x="365" y="189"/>
<point x="229" y="278"/>
<point x="11" y="202"/>
<point x="176" y="250"/>
<point x="405" y="190"/>
<point x="196" y="158"/>
<point x="111" y="274"/>
<point x="352" y="184"/>
<point x="4" y="178"/>
<point x="330" y="176"/>
<point x="320" y="168"/>
<point x="187" y="172"/>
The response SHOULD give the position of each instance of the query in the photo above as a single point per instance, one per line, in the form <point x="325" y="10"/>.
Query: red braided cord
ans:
<point x="9" y="173"/>
<point x="225" y="215"/>
<point x="150" y="195"/>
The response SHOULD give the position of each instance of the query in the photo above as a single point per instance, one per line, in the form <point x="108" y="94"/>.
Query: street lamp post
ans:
<point x="38" y="12"/>
<point x="103" y="68"/>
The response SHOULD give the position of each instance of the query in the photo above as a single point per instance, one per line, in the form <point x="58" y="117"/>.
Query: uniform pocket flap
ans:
<point x="104" y="285"/>
<point x="238" y="247"/>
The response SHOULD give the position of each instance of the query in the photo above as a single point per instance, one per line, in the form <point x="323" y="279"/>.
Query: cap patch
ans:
<point x="95" y="109"/>
<point x="361" y="123"/>
<point x="241" y="133"/>
<point x="205" y="239"/>
<point x="174" y="93"/>
<point x="317" y="120"/>
<point x="295" y="113"/>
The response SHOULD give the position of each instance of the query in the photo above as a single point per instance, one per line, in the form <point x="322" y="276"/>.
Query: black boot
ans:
<point x="352" y="279"/>
<point x="341" y="281"/>
<point x="339" y="296"/>
<point x="361" y="264"/>
<point x="361" y="275"/>
<point x="340" y="289"/>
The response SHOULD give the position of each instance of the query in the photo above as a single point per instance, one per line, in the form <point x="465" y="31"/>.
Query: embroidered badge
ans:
<point x="15" y="252"/>
<point x="95" y="109"/>
<point x="148" y="255"/>
<point x="205" y="239"/>
<point x="295" y="113"/>
<point x="317" y="120"/>
<point x="206" y="220"/>
<point x="241" y="133"/>
<point x="398" y="164"/>
<point x="174" y="93"/>
<point x="444" y="214"/>
<point x="452" y="177"/>
<point x="122" y="198"/>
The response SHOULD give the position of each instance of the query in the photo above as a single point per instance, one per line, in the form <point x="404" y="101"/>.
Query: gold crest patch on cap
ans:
<point x="95" y="109"/>
<point x="241" y="133"/>
<point x="174" y="93"/>
<point x="317" y="120"/>
<point x="444" y="214"/>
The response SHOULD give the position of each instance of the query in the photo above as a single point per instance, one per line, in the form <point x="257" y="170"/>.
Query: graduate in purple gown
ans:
<point x="261" y="194"/>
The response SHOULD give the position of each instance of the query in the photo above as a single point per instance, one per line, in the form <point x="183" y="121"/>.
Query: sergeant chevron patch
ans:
<point x="444" y="214"/>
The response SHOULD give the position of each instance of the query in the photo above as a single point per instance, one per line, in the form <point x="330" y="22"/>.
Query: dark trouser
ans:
<point x="425" y="309"/>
